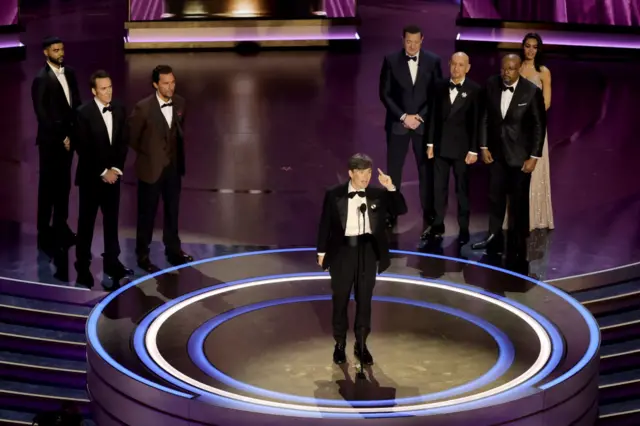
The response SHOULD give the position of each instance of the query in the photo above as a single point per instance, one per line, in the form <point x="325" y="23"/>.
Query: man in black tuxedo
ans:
<point x="156" y="135"/>
<point x="351" y="238"/>
<point x="453" y="144"/>
<point x="512" y="130"/>
<point x="407" y="83"/>
<point x="100" y="141"/>
<point x="55" y="97"/>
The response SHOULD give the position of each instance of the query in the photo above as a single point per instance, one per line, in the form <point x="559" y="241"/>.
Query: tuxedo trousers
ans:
<point x="397" y="149"/>
<point x="353" y="268"/>
<point x="54" y="187"/>
<point x="168" y="187"/>
<point x="507" y="181"/>
<point x="441" y="170"/>
<point x="94" y="196"/>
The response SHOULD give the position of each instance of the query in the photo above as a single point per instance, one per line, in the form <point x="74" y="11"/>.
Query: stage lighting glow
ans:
<point x="164" y="369"/>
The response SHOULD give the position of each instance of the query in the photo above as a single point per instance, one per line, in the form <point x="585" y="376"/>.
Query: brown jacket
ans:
<point x="153" y="141"/>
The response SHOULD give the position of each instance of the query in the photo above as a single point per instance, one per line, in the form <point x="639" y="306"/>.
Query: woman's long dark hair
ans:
<point x="538" y="60"/>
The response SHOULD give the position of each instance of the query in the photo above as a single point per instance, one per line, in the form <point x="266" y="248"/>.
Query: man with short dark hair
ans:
<point x="55" y="97"/>
<point x="160" y="165"/>
<point x="102" y="149"/>
<point x="407" y="83"/>
<point x="353" y="246"/>
<point x="512" y="132"/>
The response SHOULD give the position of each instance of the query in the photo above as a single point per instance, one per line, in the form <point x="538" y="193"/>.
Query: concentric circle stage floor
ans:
<point x="246" y="339"/>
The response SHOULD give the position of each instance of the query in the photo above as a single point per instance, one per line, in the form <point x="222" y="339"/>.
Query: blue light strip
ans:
<point x="504" y="362"/>
<point x="140" y="348"/>
<point x="94" y="342"/>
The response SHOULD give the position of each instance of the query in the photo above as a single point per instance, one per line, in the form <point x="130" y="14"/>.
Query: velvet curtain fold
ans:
<point x="601" y="12"/>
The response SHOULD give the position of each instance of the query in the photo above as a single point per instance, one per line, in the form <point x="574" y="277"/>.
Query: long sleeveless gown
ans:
<point x="540" y="207"/>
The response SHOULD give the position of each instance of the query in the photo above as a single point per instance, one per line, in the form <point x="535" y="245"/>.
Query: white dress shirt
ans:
<point x="413" y="70"/>
<point x="59" y="72"/>
<point x="166" y="111"/>
<point x="453" y="93"/>
<point x="107" y="116"/>
<point x="357" y="223"/>
<point x="505" y="102"/>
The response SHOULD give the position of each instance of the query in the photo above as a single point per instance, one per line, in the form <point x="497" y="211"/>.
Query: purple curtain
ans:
<point x="9" y="12"/>
<point x="602" y="12"/>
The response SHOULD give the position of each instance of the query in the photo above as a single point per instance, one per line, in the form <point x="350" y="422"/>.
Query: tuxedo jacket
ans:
<point x="333" y="221"/>
<point x="55" y="116"/>
<point x="401" y="96"/>
<point x="152" y="139"/>
<point x="95" y="152"/>
<point x="454" y="127"/>
<point x="520" y="134"/>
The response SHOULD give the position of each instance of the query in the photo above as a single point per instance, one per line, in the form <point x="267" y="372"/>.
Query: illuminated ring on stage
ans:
<point x="145" y="344"/>
<point x="96" y="345"/>
<point x="506" y="354"/>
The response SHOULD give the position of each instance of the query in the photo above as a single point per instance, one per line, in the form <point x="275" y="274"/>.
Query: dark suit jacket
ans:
<point x="333" y="221"/>
<point x="56" y="117"/>
<point x="520" y="134"/>
<point x="95" y="152"/>
<point x="398" y="93"/>
<point x="150" y="136"/>
<point x="454" y="127"/>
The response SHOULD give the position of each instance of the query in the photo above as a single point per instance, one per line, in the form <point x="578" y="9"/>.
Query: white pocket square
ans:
<point x="522" y="104"/>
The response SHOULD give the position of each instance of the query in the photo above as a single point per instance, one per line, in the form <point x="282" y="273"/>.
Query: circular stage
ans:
<point x="246" y="339"/>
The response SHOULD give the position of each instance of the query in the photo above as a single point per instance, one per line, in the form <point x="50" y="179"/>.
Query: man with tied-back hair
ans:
<point x="512" y="132"/>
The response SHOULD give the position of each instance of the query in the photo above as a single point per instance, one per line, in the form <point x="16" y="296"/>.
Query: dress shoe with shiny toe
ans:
<point x="116" y="270"/>
<point x="463" y="237"/>
<point x="85" y="278"/>
<point x="178" y="258"/>
<point x="492" y="243"/>
<point x="339" y="355"/>
<point x="363" y="354"/>
<point x="145" y="264"/>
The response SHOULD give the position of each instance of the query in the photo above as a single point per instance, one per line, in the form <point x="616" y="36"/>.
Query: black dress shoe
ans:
<point x="339" y="355"/>
<point x="179" y="258"/>
<point x="116" y="270"/>
<point x="363" y="354"/>
<point x="463" y="237"/>
<point x="492" y="243"/>
<point x="145" y="264"/>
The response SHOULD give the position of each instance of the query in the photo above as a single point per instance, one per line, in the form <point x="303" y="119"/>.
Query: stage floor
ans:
<point x="252" y="333"/>
<point x="267" y="133"/>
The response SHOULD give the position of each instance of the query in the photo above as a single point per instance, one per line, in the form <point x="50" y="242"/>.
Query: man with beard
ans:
<point x="156" y="135"/>
<point x="55" y="97"/>
<point x="512" y="132"/>
<point x="102" y="149"/>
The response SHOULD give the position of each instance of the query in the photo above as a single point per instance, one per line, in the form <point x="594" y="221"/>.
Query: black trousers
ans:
<point x="441" y="170"/>
<point x="506" y="181"/>
<point x="353" y="268"/>
<point x="54" y="187"/>
<point x="168" y="187"/>
<point x="106" y="197"/>
<point x="397" y="148"/>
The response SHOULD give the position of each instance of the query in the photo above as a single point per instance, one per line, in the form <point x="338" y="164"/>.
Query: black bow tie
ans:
<point x="107" y="108"/>
<point x="412" y="58"/>
<point x="509" y="88"/>
<point x="454" y="86"/>
<point x="168" y="104"/>
<point x="354" y="193"/>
